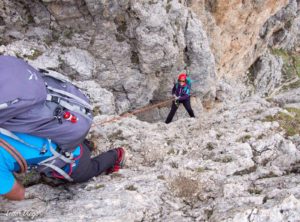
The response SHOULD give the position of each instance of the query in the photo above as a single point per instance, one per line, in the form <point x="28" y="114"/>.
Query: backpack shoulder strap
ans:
<point x="187" y="89"/>
<point x="7" y="133"/>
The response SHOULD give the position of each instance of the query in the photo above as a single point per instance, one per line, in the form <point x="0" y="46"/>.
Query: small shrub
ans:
<point x="225" y="159"/>
<point x="210" y="146"/>
<point x="98" y="186"/>
<point x="174" y="165"/>
<point x="290" y="123"/>
<point x="131" y="188"/>
<point x="255" y="191"/>
<point x="171" y="151"/>
<point x="34" y="55"/>
<point x="291" y="63"/>
<point x="161" y="177"/>
<point x="244" y="139"/>
<point x="97" y="111"/>
<point x="200" y="169"/>
<point x="290" y="86"/>
<point x="261" y="136"/>
<point x="185" y="187"/>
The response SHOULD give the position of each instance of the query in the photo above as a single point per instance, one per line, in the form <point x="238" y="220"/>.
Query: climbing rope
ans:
<point x="140" y="110"/>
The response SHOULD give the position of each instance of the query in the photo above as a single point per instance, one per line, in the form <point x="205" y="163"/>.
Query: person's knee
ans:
<point x="17" y="192"/>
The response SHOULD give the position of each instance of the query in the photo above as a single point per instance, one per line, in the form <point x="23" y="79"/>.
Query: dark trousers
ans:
<point x="90" y="167"/>
<point x="187" y="105"/>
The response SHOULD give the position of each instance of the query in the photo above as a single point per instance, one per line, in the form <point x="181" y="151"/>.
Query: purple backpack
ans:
<point x="34" y="103"/>
<point x="21" y="87"/>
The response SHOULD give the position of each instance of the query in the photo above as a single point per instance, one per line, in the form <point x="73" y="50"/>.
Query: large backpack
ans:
<point x="34" y="103"/>
<point x="21" y="87"/>
<point x="189" y="81"/>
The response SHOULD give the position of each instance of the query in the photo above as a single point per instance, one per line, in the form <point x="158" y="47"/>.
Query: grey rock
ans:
<point x="228" y="164"/>
<point x="267" y="73"/>
<point x="291" y="96"/>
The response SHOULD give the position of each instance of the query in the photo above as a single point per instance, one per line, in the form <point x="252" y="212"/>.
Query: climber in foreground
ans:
<point x="18" y="156"/>
<point x="181" y="93"/>
<point x="43" y="125"/>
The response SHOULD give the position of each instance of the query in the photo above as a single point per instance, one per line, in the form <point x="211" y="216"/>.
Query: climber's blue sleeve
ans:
<point x="7" y="180"/>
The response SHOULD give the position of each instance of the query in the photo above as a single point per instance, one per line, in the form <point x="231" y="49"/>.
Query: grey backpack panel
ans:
<point x="39" y="103"/>
<point x="43" y="120"/>
<point x="64" y="86"/>
<point x="21" y="87"/>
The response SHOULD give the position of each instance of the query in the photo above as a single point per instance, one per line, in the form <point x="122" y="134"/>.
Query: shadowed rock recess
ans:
<point x="238" y="160"/>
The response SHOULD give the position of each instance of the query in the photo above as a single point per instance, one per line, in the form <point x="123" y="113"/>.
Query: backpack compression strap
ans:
<point x="18" y="157"/>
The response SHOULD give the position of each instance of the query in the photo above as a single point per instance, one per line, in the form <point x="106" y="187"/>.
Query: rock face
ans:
<point x="191" y="170"/>
<point x="267" y="74"/>
<point x="135" y="49"/>
<point x="237" y="161"/>
<point x="122" y="46"/>
<point x="234" y="27"/>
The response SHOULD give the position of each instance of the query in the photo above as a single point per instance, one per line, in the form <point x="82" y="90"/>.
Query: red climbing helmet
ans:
<point x="182" y="76"/>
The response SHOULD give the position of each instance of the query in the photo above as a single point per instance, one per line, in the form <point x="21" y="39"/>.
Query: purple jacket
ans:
<point x="183" y="92"/>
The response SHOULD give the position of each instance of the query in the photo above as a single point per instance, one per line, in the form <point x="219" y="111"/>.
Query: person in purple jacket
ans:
<point x="181" y="93"/>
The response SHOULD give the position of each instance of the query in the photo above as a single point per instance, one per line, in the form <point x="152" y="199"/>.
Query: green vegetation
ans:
<point x="291" y="63"/>
<point x="161" y="177"/>
<point x="98" y="186"/>
<point x="53" y="38"/>
<point x="186" y="188"/>
<point x="261" y="136"/>
<point x="293" y="85"/>
<point x="131" y="188"/>
<point x="174" y="165"/>
<point x="254" y="191"/>
<point x="251" y="74"/>
<point x="68" y="33"/>
<point x="223" y="159"/>
<point x="200" y="169"/>
<point x="171" y="151"/>
<point x="34" y="55"/>
<point x="97" y="111"/>
<point x="116" y="175"/>
<point x="244" y="139"/>
<point x="290" y="123"/>
<point x="168" y="7"/>
<point x="226" y="159"/>
<point x="210" y="146"/>
<point x="30" y="19"/>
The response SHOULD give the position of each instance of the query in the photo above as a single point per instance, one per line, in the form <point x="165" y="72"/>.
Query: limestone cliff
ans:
<point x="233" y="28"/>
<point x="237" y="161"/>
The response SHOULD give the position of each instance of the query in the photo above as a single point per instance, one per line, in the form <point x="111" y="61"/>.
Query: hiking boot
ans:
<point x="120" y="162"/>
